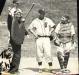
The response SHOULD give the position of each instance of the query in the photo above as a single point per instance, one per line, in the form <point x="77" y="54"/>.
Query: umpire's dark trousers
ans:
<point x="16" y="56"/>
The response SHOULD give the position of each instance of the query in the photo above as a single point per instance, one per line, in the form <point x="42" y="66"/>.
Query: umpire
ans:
<point x="17" y="37"/>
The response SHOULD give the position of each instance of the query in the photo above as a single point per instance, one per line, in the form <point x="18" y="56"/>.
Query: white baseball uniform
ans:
<point x="42" y="29"/>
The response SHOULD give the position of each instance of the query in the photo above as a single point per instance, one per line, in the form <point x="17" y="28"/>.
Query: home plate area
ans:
<point x="29" y="66"/>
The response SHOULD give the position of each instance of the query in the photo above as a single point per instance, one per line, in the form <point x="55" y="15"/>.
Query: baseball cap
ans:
<point x="15" y="2"/>
<point x="66" y="16"/>
<point x="41" y="11"/>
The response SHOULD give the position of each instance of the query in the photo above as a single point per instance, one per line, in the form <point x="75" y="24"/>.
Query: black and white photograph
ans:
<point x="38" y="37"/>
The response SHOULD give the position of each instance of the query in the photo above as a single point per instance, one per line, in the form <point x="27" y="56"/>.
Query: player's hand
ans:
<point x="72" y="42"/>
<point x="65" y="51"/>
<point x="57" y="42"/>
<point x="28" y="36"/>
<point x="36" y="36"/>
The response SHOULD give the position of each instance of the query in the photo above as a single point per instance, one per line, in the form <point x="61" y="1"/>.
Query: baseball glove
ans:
<point x="51" y="38"/>
<point x="57" y="42"/>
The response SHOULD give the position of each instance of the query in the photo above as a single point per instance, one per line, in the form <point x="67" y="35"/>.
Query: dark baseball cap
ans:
<point x="15" y="2"/>
<point x="67" y="17"/>
<point x="41" y="11"/>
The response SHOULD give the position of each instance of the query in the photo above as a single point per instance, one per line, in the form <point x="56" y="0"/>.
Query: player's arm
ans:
<point x="32" y="32"/>
<point x="23" y="22"/>
<point x="52" y="25"/>
<point x="56" y="38"/>
<point x="30" y="29"/>
<point x="72" y="34"/>
<point x="52" y="28"/>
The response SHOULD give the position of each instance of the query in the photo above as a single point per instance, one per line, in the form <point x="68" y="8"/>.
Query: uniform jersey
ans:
<point x="42" y="27"/>
<point x="65" y="31"/>
<point x="11" y="11"/>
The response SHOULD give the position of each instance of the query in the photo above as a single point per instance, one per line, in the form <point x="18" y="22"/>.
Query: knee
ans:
<point x="67" y="54"/>
<point x="59" y="54"/>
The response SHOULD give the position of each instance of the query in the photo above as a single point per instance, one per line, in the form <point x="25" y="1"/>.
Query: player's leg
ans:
<point x="39" y="53"/>
<point x="7" y="64"/>
<point x="47" y="51"/>
<point x="60" y="59"/>
<point x="1" y="67"/>
<point x="16" y="58"/>
<point x="60" y="55"/>
<point x="67" y="54"/>
<point x="66" y="58"/>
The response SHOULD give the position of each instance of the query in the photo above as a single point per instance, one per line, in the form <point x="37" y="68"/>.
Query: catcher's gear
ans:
<point x="57" y="42"/>
<point x="60" y="59"/>
<point x="66" y="58"/>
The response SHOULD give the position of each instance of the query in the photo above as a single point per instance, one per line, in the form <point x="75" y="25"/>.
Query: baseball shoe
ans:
<point x="51" y="71"/>
<point x="13" y="71"/>
<point x="40" y="69"/>
<point x="65" y="71"/>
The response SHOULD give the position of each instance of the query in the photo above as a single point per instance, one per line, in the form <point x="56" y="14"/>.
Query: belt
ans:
<point x="43" y="36"/>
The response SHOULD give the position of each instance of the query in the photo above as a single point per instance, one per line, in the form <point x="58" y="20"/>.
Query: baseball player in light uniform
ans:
<point x="42" y="28"/>
<point x="65" y="37"/>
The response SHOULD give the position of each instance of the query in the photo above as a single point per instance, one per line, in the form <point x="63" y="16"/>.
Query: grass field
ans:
<point x="54" y="10"/>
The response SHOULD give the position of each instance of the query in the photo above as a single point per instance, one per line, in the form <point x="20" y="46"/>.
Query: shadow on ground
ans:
<point x="37" y="69"/>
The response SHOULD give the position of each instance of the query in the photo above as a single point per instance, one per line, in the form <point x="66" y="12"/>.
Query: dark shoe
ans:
<point x="13" y="71"/>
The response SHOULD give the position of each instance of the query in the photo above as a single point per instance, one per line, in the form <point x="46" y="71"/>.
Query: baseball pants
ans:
<point x="43" y="49"/>
<point x="63" y="54"/>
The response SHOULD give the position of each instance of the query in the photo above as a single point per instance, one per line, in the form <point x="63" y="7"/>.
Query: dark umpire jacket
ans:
<point x="18" y="31"/>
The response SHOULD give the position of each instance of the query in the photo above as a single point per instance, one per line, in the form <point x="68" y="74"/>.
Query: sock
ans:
<point x="39" y="63"/>
<point x="50" y="65"/>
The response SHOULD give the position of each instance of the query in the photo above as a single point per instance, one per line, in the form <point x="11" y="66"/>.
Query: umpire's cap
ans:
<point x="41" y="11"/>
<point x="15" y="2"/>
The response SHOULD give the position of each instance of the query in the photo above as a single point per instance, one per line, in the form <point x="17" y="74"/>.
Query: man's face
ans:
<point x="15" y="5"/>
<point x="64" y="20"/>
<point x="18" y="15"/>
<point x="41" y="16"/>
